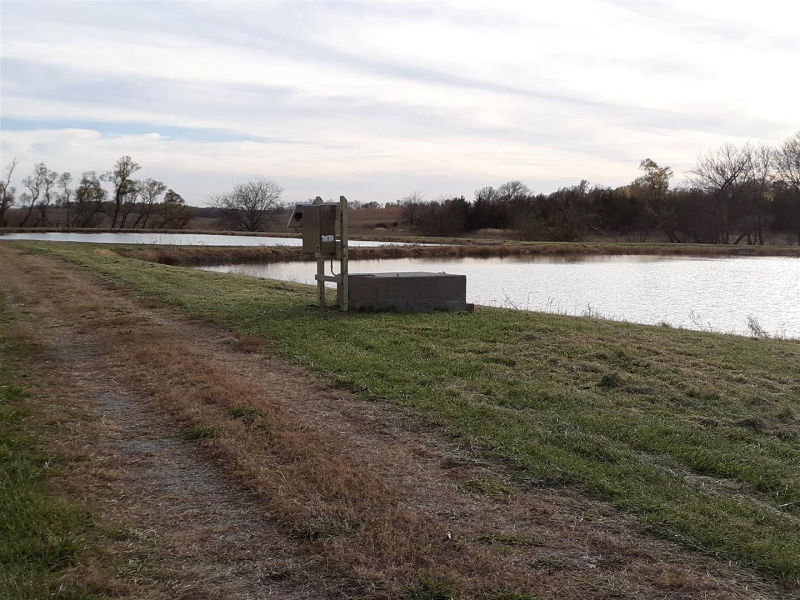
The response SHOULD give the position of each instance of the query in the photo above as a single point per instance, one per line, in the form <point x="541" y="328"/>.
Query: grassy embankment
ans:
<point x="695" y="433"/>
<point x="39" y="536"/>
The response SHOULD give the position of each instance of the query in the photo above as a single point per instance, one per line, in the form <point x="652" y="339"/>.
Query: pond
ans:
<point x="714" y="294"/>
<point x="174" y="239"/>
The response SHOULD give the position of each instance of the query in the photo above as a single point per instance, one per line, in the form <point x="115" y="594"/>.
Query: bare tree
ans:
<point x="756" y="192"/>
<point x="410" y="204"/>
<point x="47" y="183"/>
<point x="250" y="206"/>
<point x="124" y="186"/>
<point x="787" y="167"/>
<point x="7" y="192"/>
<point x="129" y="202"/>
<point x="722" y="173"/>
<point x="510" y="205"/>
<point x="64" y="182"/>
<point x="149" y="192"/>
<point x="89" y="198"/>
<point x="787" y="161"/>
<point x="513" y="192"/>
<point x="29" y="198"/>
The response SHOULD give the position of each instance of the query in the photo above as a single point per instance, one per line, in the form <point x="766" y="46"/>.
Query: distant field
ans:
<point x="696" y="434"/>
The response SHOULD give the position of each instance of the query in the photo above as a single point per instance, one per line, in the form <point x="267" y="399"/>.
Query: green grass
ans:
<point x="39" y="536"/>
<point x="697" y="434"/>
<point x="198" y="433"/>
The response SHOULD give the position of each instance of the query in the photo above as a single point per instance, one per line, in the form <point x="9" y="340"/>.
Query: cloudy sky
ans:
<point x="374" y="100"/>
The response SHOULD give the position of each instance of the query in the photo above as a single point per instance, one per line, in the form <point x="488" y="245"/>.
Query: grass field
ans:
<point x="695" y="433"/>
<point x="39" y="536"/>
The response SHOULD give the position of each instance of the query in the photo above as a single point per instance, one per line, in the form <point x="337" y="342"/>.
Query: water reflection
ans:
<point x="718" y="294"/>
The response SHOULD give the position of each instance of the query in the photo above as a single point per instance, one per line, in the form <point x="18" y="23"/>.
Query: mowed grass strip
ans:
<point x="697" y="434"/>
<point x="39" y="536"/>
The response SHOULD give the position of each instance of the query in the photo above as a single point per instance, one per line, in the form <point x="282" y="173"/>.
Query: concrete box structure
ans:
<point x="407" y="292"/>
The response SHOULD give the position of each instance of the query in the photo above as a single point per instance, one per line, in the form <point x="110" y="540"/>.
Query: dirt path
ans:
<point x="293" y="489"/>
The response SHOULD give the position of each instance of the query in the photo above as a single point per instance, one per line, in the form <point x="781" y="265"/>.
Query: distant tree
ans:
<point x="410" y="204"/>
<point x="40" y="190"/>
<point x="7" y="192"/>
<point x="129" y="203"/>
<point x="569" y="212"/>
<point x="618" y="210"/>
<point x="722" y="173"/>
<point x="787" y="161"/>
<point x="785" y="209"/>
<point x="756" y="193"/>
<point x="445" y="216"/>
<point x="650" y="192"/>
<point x="64" y="181"/>
<point x="490" y="209"/>
<point x="89" y="197"/>
<point x="513" y="191"/>
<point x="47" y="185"/>
<point x="510" y="206"/>
<point x="174" y="214"/>
<point x="124" y="188"/>
<point x="34" y="183"/>
<point x="787" y="167"/>
<point x="149" y="192"/>
<point x="250" y="206"/>
<point x="655" y="180"/>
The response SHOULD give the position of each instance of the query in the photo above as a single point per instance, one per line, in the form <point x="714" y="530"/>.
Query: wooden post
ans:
<point x="345" y="282"/>
<point x="320" y="270"/>
<point x="321" y="282"/>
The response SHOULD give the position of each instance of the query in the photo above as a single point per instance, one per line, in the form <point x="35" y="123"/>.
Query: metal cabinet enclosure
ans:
<point x="318" y="223"/>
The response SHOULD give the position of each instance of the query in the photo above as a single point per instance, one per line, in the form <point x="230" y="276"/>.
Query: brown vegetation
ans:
<point x="209" y="255"/>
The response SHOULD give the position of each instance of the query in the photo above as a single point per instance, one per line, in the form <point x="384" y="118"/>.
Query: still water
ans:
<point x="172" y="239"/>
<point x="716" y="294"/>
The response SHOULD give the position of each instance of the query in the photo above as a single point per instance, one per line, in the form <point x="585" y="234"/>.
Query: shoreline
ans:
<point x="211" y="255"/>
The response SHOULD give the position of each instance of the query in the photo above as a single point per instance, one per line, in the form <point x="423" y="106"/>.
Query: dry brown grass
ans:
<point x="194" y="255"/>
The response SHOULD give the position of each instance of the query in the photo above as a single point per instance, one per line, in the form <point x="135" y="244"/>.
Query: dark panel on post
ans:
<point x="310" y="223"/>
<point x="327" y="230"/>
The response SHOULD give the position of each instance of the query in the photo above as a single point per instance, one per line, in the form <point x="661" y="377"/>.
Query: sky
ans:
<point x="376" y="100"/>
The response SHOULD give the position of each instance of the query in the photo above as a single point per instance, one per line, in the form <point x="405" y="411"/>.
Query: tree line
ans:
<point x="734" y="194"/>
<point x="126" y="203"/>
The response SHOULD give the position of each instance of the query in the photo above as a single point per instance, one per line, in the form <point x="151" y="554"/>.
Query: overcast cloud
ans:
<point x="374" y="100"/>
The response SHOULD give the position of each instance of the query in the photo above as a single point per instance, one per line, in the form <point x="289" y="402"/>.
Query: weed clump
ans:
<point x="610" y="380"/>
<point x="247" y="414"/>
<point x="327" y="528"/>
<point x="198" y="433"/>
<point x="487" y="487"/>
